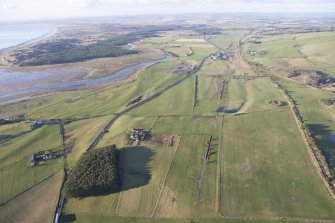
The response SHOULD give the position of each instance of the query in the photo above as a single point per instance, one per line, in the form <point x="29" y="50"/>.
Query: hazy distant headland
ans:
<point x="17" y="33"/>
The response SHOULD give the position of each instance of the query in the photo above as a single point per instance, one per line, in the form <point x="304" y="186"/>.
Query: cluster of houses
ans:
<point x="41" y="156"/>
<point x="11" y="120"/>
<point x="257" y="53"/>
<point x="138" y="134"/>
<point x="219" y="56"/>
<point x="39" y="123"/>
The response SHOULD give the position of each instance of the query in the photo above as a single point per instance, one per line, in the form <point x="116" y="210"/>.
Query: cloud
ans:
<point x="8" y="7"/>
<point x="40" y="9"/>
<point x="79" y="3"/>
<point x="156" y="2"/>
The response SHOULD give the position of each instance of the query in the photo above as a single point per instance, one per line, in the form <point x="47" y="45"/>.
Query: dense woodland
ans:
<point x="95" y="174"/>
<point x="105" y="48"/>
<point x="71" y="50"/>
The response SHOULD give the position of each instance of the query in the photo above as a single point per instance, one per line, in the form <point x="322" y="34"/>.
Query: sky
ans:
<point x="13" y="10"/>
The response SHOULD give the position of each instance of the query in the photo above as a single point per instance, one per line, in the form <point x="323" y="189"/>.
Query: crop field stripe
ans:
<point x="118" y="203"/>
<point x="309" y="149"/>
<point x="165" y="178"/>
<point x="84" y="218"/>
<point x="154" y="122"/>
<point x="196" y="90"/>
<point x="305" y="140"/>
<point x="156" y="95"/>
<point x="218" y="172"/>
<point x="17" y="195"/>
<point x="265" y="110"/>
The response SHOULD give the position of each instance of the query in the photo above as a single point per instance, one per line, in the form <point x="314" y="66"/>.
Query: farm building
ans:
<point x="138" y="134"/>
<point x="219" y="56"/>
<point x="11" y="120"/>
<point x="253" y="53"/>
<point x="37" y="124"/>
<point x="41" y="156"/>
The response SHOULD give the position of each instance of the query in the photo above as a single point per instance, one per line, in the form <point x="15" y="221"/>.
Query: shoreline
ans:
<point x="115" y="77"/>
<point x="53" y="29"/>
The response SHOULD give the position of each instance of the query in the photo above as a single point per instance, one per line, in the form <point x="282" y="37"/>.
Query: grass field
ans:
<point x="140" y="164"/>
<point x="263" y="163"/>
<point x="15" y="128"/>
<point x="115" y="219"/>
<point x="212" y="94"/>
<point x="318" y="117"/>
<point x="122" y="127"/>
<point x="105" y="100"/>
<point x="227" y="38"/>
<point x="257" y="92"/>
<point x="15" y="175"/>
<point x="179" y="200"/>
<point x="31" y="206"/>
<point x="168" y="103"/>
<point x="216" y="67"/>
<point x="268" y="171"/>
<point x="260" y="169"/>
<point x="311" y="51"/>
<point x="79" y="135"/>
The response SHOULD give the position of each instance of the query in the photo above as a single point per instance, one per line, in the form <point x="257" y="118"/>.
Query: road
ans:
<point x="132" y="107"/>
<point x="95" y="142"/>
<point x="61" y="197"/>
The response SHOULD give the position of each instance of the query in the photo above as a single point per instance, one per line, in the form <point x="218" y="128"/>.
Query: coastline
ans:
<point x="115" y="77"/>
<point x="53" y="29"/>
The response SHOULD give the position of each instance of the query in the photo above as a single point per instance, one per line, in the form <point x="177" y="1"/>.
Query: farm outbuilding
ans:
<point x="41" y="156"/>
<point x="253" y="53"/>
<point x="219" y="56"/>
<point x="138" y="134"/>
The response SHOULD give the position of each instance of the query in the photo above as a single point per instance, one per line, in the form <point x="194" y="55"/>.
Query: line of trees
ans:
<point x="311" y="143"/>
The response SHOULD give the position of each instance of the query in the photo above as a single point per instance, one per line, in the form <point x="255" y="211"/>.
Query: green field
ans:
<point x="15" y="175"/>
<point x="257" y="92"/>
<point x="310" y="51"/>
<point x="79" y="135"/>
<point x="108" y="219"/>
<point x="319" y="118"/>
<point x="102" y="101"/>
<point x="15" y="128"/>
<point x="31" y="206"/>
<point x="268" y="171"/>
<point x="259" y="170"/>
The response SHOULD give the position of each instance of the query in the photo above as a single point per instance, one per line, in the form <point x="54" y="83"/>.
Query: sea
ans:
<point x="14" y="34"/>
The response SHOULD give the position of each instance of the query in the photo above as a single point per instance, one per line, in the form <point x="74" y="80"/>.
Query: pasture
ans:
<point x="311" y="51"/>
<point x="319" y="118"/>
<point x="15" y="174"/>
<point x="35" y="205"/>
<point x="268" y="171"/>
<point x="259" y="169"/>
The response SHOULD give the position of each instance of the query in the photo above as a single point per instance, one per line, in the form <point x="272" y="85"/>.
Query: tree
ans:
<point x="95" y="173"/>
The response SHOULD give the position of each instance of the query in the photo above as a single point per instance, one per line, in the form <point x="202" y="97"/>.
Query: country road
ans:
<point x="118" y="115"/>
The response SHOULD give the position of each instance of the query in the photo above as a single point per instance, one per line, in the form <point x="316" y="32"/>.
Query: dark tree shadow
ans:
<point x="229" y="111"/>
<point x="134" y="167"/>
<point x="67" y="218"/>
<point x="325" y="140"/>
<point x="134" y="171"/>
